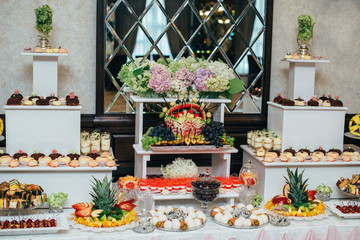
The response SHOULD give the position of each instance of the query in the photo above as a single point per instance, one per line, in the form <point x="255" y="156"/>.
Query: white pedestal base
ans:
<point x="45" y="72"/>
<point x="307" y="126"/>
<point x="302" y="78"/>
<point x="42" y="127"/>
<point x="73" y="181"/>
<point x="271" y="175"/>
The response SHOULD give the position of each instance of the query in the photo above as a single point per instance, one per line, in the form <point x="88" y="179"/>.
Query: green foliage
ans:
<point x="44" y="19"/>
<point x="103" y="195"/>
<point x="306" y="25"/>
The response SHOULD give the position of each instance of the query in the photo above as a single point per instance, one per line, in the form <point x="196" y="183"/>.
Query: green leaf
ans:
<point x="139" y="71"/>
<point x="236" y="86"/>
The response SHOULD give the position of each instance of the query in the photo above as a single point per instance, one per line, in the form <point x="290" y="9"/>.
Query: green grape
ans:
<point x="147" y="147"/>
<point x="160" y="139"/>
<point x="232" y="139"/>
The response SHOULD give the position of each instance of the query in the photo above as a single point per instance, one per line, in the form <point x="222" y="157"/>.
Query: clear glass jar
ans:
<point x="248" y="174"/>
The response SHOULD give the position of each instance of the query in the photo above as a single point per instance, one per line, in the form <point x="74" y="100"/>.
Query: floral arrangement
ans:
<point x="183" y="78"/>
<point x="306" y="25"/>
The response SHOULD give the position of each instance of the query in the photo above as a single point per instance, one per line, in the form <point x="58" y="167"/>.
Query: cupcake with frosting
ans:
<point x="19" y="154"/>
<point x="277" y="98"/>
<point x="299" y="102"/>
<point x="73" y="155"/>
<point x="313" y="102"/>
<point x="54" y="154"/>
<point x="336" y="102"/>
<point x="37" y="155"/>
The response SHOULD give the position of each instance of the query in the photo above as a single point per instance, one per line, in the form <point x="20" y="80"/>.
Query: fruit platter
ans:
<point x="32" y="224"/>
<point x="296" y="202"/>
<point x="240" y="216"/>
<point x="106" y="212"/>
<point x="187" y="126"/>
<point x="177" y="219"/>
<point x="345" y="209"/>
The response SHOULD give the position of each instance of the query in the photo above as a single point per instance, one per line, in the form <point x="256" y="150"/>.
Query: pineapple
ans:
<point x="297" y="192"/>
<point x="103" y="195"/>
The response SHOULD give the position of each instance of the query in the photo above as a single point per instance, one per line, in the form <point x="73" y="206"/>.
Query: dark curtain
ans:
<point x="183" y="23"/>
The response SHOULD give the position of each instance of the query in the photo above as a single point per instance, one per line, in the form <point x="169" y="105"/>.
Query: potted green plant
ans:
<point x="305" y="33"/>
<point x="44" y="24"/>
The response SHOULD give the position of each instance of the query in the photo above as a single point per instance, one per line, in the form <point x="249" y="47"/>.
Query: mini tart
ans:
<point x="55" y="155"/>
<point x="36" y="156"/>
<point x="73" y="156"/>
<point x="313" y="103"/>
<point x="18" y="155"/>
<point x="288" y="102"/>
<point x="13" y="101"/>
<point x="72" y="101"/>
<point x="93" y="163"/>
<point x="74" y="163"/>
<point x="299" y="102"/>
<point x="28" y="102"/>
<point x="93" y="155"/>
<point x="33" y="163"/>
<point x="110" y="163"/>
<point x="54" y="163"/>
<point x="42" y="102"/>
<point x="46" y="158"/>
<point x="13" y="163"/>
<point x="57" y="103"/>
<point x="65" y="159"/>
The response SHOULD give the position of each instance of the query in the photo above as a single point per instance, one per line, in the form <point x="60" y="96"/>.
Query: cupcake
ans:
<point x="313" y="102"/>
<point x="37" y="155"/>
<point x="34" y="97"/>
<point x="17" y="95"/>
<point x="348" y="151"/>
<point x="72" y="100"/>
<point x="290" y="150"/>
<point x="42" y="102"/>
<point x="54" y="163"/>
<point x="93" y="163"/>
<point x="110" y="163"/>
<point x="13" y="101"/>
<point x="320" y="150"/>
<point x="337" y="102"/>
<point x="13" y="163"/>
<point x="299" y="102"/>
<point x="52" y="97"/>
<point x="33" y="163"/>
<point x="19" y="154"/>
<point x="74" y="163"/>
<point x="73" y="155"/>
<point x="281" y="100"/>
<point x="93" y="154"/>
<point x="277" y="98"/>
<point x="54" y="155"/>
<point x="335" y="152"/>
<point x="288" y="102"/>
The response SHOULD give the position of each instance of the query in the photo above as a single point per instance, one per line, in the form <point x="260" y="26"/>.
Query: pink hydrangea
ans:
<point x="160" y="80"/>
<point x="184" y="75"/>
<point x="201" y="75"/>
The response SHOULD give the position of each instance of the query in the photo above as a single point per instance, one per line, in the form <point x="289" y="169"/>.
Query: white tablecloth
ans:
<point x="297" y="230"/>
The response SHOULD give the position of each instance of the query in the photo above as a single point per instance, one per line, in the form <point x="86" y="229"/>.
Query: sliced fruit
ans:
<point x="286" y="190"/>
<point x="81" y="206"/>
<point x="187" y="141"/>
<point x="96" y="213"/>
<point x="165" y="109"/>
<point x="84" y="212"/>
<point x="127" y="205"/>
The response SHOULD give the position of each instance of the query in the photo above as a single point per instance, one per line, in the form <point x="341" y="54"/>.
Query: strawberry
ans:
<point x="311" y="195"/>
<point x="81" y="206"/>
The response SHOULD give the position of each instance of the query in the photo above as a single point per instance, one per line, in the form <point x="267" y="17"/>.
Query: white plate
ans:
<point x="232" y="226"/>
<point x="332" y="207"/>
<point x="317" y="217"/>
<point x="61" y="220"/>
<point x="109" y="229"/>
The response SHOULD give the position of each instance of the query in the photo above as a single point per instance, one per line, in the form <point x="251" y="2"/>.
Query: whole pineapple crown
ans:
<point x="103" y="195"/>
<point x="298" y="191"/>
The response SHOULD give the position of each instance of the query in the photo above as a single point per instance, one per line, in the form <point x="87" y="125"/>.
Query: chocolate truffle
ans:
<point x="277" y="98"/>
<point x="313" y="102"/>
<point x="13" y="101"/>
<point x="288" y="102"/>
<point x="42" y="102"/>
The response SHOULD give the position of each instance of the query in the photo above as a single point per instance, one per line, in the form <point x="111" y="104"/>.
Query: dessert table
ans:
<point x="297" y="230"/>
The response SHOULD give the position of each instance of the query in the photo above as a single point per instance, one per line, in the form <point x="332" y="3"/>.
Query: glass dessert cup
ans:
<point x="205" y="189"/>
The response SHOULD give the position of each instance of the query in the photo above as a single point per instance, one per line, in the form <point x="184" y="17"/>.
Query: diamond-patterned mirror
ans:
<point x="227" y="30"/>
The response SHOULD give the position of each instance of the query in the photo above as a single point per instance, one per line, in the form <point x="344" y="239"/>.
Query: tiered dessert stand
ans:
<point x="220" y="158"/>
<point x="46" y="128"/>
<point x="301" y="126"/>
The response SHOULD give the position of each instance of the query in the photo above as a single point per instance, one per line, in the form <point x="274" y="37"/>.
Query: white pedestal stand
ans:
<point x="302" y="78"/>
<point x="42" y="127"/>
<point x="271" y="175"/>
<point x="308" y="126"/>
<point x="45" y="72"/>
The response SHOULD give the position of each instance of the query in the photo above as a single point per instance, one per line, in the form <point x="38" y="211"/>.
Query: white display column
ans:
<point x="302" y="78"/>
<point x="45" y="72"/>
